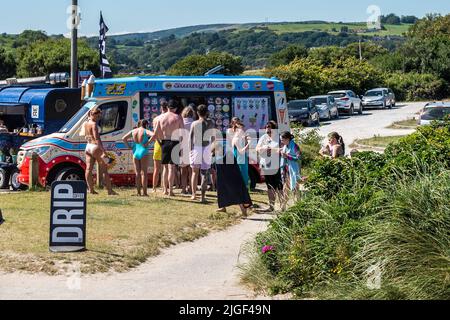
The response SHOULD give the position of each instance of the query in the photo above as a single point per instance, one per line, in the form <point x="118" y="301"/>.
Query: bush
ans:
<point x="198" y="65"/>
<point x="384" y="211"/>
<point x="306" y="77"/>
<point x="310" y="143"/>
<point x="415" y="86"/>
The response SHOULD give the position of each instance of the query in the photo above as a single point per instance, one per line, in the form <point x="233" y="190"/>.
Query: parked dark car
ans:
<point x="304" y="112"/>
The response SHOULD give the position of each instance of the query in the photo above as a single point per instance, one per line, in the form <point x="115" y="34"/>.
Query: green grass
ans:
<point x="122" y="232"/>
<point x="410" y="123"/>
<point x="376" y="142"/>
<point x="391" y="30"/>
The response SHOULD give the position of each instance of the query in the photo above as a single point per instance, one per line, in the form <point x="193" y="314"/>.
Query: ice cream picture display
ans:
<point x="220" y="112"/>
<point x="253" y="112"/>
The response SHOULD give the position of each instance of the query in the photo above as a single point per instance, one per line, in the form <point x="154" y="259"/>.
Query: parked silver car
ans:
<point x="327" y="107"/>
<point x="381" y="98"/>
<point x="435" y="111"/>
<point x="348" y="101"/>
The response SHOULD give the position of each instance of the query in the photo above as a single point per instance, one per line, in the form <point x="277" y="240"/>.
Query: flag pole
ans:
<point x="100" y="50"/>
<point x="74" y="46"/>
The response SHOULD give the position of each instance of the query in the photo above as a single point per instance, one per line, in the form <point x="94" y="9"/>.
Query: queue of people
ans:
<point x="198" y="163"/>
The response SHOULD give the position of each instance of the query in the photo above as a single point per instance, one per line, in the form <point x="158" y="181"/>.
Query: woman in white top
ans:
<point x="268" y="150"/>
<point x="186" y="171"/>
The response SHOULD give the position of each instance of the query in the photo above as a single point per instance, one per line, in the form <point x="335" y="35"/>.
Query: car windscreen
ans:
<point x="72" y="122"/>
<point x="319" y="101"/>
<point x="298" y="105"/>
<point x="435" y="113"/>
<point x="374" y="94"/>
<point x="338" y="95"/>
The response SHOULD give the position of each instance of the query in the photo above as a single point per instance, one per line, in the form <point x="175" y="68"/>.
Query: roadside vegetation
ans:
<point x="374" y="226"/>
<point x="122" y="232"/>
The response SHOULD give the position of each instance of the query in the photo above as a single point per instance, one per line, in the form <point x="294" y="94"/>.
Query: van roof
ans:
<point x="218" y="83"/>
<point x="27" y="94"/>
<point x="187" y="78"/>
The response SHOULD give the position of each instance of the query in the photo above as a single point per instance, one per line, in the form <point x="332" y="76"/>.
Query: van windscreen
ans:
<point x="77" y="117"/>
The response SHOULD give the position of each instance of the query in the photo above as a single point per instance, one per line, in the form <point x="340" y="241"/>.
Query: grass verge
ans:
<point x="405" y="124"/>
<point x="376" y="142"/>
<point x="122" y="232"/>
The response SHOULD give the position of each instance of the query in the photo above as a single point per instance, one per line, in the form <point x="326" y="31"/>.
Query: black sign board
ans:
<point x="68" y="216"/>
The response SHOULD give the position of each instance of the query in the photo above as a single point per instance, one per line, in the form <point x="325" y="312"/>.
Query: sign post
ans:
<point x="68" y="216"/>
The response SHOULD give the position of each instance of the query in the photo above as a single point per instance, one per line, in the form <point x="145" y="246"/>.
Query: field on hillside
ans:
<point x="335" y="28"/>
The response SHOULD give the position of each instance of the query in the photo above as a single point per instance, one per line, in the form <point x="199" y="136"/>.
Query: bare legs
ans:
<point x="141" y="169"/>
<point x="196" y="172"/>
<point x="194" y="182"/>
<point x="90" y="163"/>
<point x="137" y="170"/>
<point x="145" y="162"/>
<point x="186" y="173"/>
<point x="96" y="156"/>
<point x="156" y="174"/>
<point x="172" y="172"/>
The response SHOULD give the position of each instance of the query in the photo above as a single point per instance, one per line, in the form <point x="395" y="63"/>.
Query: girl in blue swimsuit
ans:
<point x="141" y="137"/>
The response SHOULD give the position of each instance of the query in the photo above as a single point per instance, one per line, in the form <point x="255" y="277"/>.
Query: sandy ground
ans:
<point x="204" y="269"/>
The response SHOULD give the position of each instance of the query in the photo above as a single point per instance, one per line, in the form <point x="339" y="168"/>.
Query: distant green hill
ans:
<point x="155" y="52"/>
<point x="358" y="28"/>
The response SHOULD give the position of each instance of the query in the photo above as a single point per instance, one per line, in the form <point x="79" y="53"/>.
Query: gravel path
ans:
<point x="204" y="269"/>
<point x="373" y="122"/>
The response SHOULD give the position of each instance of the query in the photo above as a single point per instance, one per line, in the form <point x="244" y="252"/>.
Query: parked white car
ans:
<point x="348" y="102"/>
<point x="436" y="111"/>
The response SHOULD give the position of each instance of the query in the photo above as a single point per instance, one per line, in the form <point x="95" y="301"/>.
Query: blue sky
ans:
<point x="151" y="15"/>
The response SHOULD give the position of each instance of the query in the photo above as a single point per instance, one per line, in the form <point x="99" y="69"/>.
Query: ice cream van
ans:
<point x="125" y="101"/>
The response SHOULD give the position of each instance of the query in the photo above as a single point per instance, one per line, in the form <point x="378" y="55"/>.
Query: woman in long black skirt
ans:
<point x="231" y="189"/>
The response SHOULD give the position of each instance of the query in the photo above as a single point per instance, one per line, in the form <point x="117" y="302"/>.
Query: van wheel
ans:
<point x="14" y="181"/>
<point x="70" y="174"/>
<point x="4" y="179"/>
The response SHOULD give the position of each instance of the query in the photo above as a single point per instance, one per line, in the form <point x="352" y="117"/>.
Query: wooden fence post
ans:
<point x="99" y="176"/>
<point x="34" y="170"/>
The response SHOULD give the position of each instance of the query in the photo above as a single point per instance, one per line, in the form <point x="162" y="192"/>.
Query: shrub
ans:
<point x="310" y="143"/>
<point x="415" y="86"/>
<point x="386" y="211"/>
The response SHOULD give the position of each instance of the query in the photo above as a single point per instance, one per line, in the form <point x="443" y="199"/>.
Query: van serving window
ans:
<point x="114" y="116"/>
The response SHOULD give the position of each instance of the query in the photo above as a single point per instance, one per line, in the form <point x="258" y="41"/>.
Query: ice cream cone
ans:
<point x="83" y="90"/>
<point x="282" y="113"/>
<point x="90" y="86"/>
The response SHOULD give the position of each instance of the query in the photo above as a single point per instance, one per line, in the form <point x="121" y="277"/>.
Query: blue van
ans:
<point x="30" y="112"/>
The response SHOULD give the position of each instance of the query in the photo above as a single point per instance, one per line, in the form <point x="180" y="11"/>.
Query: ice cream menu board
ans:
<point x="253" y="111"/>
<point x="151" y="107"/>
<point x="219" y="108"/>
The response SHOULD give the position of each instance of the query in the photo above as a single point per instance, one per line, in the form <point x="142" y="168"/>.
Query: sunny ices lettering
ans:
<point x="199" y="86"/>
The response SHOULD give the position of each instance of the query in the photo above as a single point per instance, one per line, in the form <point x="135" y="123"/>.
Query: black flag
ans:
<point x="105" y="68"/>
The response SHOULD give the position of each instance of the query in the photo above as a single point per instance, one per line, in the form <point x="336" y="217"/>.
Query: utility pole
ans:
<point x="74" y="46"/>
